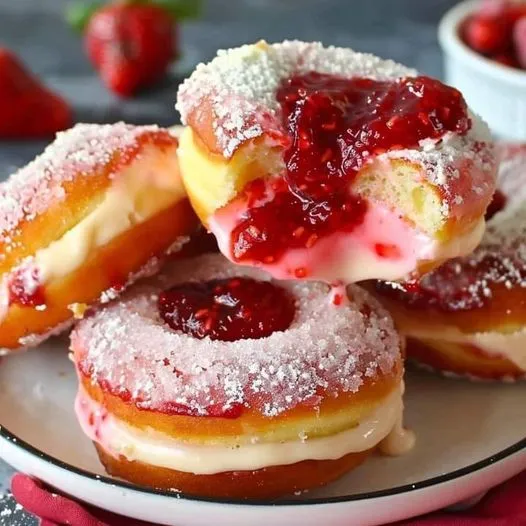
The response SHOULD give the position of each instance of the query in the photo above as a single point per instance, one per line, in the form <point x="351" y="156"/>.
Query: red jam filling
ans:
<point x="335" y="126"/>
<point x="24" y="288"/>
<point x="227" y="309"/>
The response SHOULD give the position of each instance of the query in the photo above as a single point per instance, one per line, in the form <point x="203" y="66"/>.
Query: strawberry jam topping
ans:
<point x="335" y="125"/>
<point x="25" y="289"/>
<point x="227" y="309"/>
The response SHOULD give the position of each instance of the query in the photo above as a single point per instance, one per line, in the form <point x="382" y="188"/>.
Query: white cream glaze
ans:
<point x="352" y="257"/>
<point x="138" y="194"/>
<point x="511" y="346"/>
<point x="399" y="441"/>
<point x="154" y="448"/>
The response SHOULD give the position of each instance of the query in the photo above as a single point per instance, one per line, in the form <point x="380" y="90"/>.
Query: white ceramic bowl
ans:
<point x="496" y="92"/>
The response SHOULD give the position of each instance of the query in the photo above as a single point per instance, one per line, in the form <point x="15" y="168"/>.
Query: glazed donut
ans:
<point x="327" y="164"/>
<point x="469" y="316"/>
<point x="95" y="211"/>
<point x="217" y="381"/>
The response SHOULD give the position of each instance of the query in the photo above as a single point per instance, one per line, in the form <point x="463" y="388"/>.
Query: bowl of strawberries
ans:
<point x="484" y="45"/>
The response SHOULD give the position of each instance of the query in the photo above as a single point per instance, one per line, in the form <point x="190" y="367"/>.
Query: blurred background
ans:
<point x="36" y="30"/>
<point x="404" y="30"/>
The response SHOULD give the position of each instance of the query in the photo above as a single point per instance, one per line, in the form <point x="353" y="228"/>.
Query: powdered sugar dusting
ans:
<point x="241" y="83"/>
<point x="333" y="349"/>
<point x="75" y="153"/>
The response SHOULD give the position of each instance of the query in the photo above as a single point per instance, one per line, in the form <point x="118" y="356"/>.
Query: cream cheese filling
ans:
<point x="155" y="448"/>
<point x="142" y="191"/>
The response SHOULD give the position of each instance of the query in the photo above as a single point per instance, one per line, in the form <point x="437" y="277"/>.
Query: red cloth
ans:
<point x="502" y="506"/>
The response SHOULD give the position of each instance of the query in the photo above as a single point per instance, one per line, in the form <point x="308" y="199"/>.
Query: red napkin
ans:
<point x="502" y="506"/>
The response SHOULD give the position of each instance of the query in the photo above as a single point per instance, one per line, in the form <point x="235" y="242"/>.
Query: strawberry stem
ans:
<point x="78" y="14"/>
<point x="181" y="9"/>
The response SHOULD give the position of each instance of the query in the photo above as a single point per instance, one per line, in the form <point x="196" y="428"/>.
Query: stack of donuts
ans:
<point x="247" y="362"/>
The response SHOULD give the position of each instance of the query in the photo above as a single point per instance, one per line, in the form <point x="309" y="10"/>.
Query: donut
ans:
<point x="90" y="215"/>
<point x="468" y="317"/>
<point x="321" y="163"/>
<point x="215" y="380"/>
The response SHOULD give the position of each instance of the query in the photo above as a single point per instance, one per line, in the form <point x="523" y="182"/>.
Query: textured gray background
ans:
<point x="404" y="30"/>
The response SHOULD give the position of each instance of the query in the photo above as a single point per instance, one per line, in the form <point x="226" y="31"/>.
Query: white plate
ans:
<point x="470" y="438"/>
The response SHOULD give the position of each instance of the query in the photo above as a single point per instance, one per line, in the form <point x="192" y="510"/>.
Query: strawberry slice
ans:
<point x="29" y="109"/>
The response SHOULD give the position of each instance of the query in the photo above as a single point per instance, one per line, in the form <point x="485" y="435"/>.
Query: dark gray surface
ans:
<point x="404" y="30"/>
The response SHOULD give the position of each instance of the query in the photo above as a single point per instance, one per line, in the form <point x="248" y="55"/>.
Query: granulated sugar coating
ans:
<point x="80" y="152"/>
<point x="128" y="350"/>
<point x="239" y="88"/>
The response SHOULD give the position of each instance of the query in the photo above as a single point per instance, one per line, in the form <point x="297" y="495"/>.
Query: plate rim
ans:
<point x="390" y="492"/>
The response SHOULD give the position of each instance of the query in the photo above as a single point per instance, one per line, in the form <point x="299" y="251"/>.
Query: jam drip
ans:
<point x="335" y="125"/>
<point x="228" y="309"/>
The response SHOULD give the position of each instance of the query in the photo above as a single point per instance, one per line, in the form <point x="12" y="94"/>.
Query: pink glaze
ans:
<point x="384" y="246"/>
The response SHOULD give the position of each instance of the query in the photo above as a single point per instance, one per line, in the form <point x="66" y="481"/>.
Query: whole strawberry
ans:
<point x="29" y="110"/>
<point x="132" y="43"/>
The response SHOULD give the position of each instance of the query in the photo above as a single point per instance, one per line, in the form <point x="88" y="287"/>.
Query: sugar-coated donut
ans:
<point x="215" y="380"/>
<point x="95" y="211"/>
<point x="469" y="316"/>
<point x="327" y="164"/>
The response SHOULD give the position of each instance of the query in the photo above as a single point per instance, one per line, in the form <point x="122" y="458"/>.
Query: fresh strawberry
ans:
<point x="131" y="45"/>
<point x="488" y="34"/>
<point x="132" y="42"/>
<point x="28" y="108"/>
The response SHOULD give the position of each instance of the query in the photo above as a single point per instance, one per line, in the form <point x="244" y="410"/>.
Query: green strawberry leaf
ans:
<point x="78" y="14"/>
<point x="181" y="9"/>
